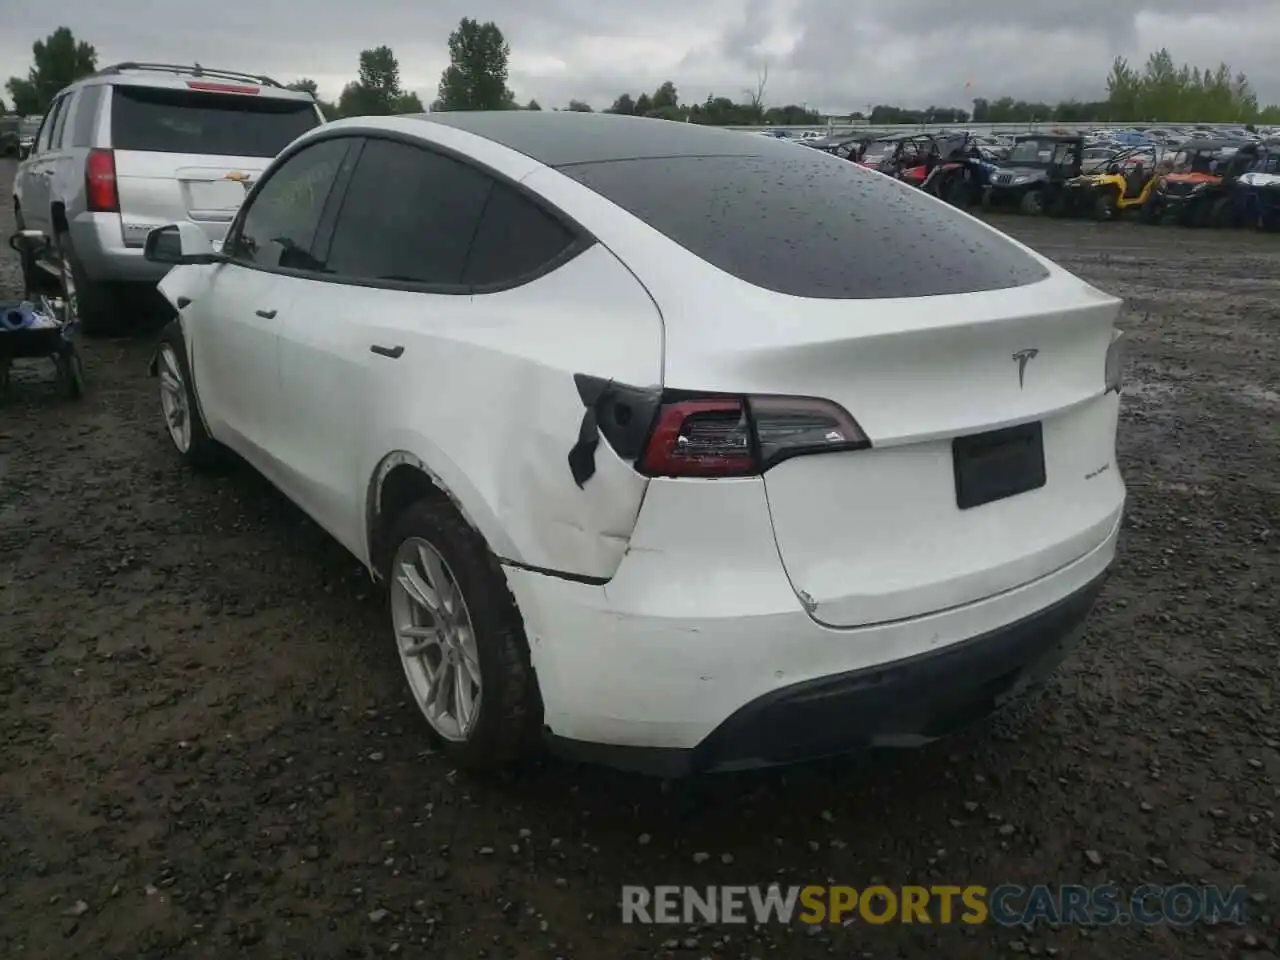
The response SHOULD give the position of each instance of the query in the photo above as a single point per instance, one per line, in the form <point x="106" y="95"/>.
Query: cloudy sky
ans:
<point x="834" y="55"/>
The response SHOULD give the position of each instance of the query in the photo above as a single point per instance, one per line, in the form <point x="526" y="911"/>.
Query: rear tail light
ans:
<point x="1115" y="362"/>
<point x="100" y="182"/>
<point x="744" y="436"/>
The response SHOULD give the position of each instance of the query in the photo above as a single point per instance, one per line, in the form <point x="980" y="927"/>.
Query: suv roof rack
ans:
<point x="194" y="70"/>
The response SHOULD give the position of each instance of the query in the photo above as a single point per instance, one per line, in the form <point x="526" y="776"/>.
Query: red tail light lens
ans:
<point x="739" y="437"/>
<point x="100" y="182"/>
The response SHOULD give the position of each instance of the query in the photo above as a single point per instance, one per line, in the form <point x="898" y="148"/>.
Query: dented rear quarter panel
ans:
<point x="486" y="398"/>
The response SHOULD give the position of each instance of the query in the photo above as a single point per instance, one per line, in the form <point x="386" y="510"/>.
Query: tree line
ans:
<point x="477" y="74"/>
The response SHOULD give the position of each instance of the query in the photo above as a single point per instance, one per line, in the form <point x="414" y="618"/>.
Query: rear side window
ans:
<point x="60" y="122"/>
<point x="408" y="215"/>
<point x="50" y="123"/>
<point x="516" y="238"/>
<point x="805" y="224"/>
<point x="82" y="122"/>
<point x="279" y="225"/>
<point x="166" y="120"/>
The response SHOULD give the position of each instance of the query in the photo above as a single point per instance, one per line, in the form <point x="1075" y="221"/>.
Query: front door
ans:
<point x="269" y="250"/>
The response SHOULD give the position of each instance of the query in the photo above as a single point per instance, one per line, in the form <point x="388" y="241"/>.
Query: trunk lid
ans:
<point x="879" y="535"/>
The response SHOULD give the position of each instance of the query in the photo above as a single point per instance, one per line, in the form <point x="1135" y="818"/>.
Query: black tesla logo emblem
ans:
<point x="1024" y="357"/>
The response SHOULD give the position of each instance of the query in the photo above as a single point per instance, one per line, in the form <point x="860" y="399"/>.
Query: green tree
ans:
<point x="643" y="105"/>
<point x="3" y="109"/>
<point x="624" y="105"/>
<point x="665" y="97"/>
<point x="476" y="78"/>
<point x="579" y="106"/>
<point x="304" y="85"/>
<point x="408" y="102"/>
<point x="57" y="61"/>
<point x="533" y="105"/>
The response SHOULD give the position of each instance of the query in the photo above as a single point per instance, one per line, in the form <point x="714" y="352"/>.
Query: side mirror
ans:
<point x="180" y="244"/>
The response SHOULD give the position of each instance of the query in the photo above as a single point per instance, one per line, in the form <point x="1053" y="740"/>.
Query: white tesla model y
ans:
<point x="679" y="449"/>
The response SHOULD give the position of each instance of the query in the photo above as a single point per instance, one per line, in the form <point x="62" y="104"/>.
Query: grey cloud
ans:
<point x="835" y="55"/>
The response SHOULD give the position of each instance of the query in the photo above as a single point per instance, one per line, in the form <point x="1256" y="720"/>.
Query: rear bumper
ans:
<point x="903" y="703"/>
<point x="698" y="647"/>
<point x="101" y="250"/>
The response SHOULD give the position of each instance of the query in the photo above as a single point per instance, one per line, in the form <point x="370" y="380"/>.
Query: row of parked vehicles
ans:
<point x="1205" y="182"/>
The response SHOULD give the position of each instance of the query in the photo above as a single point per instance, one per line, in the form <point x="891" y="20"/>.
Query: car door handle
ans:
<point x="266" y="314"/>
<point x="393" y="352"/>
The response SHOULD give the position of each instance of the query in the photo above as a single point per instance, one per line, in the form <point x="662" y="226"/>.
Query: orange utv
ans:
<point x="1193" y="190"/>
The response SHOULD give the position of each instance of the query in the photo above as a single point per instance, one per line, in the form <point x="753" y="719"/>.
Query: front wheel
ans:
<point x="461" y="640"/>
<point x="1032" y="203"/>
<point x="182" y="418"/>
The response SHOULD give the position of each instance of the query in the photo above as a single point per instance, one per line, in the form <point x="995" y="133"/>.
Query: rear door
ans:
<point x="37" y="174"/>
<point x="192" y="151"/>
<point x="458" y="310"/>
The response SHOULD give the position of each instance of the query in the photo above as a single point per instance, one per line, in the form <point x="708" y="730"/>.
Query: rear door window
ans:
<point x="50" y="121"/>
<point x="802" y="223"/>
<point x="408" y="216"/>
<point x="515" y="240"/>
<point x="172" y="120"/>
<point x="82" y="124"/>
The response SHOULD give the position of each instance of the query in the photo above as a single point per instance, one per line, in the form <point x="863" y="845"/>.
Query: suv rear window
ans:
<point x="165" y="120"/>
<point x="806" y="224"/>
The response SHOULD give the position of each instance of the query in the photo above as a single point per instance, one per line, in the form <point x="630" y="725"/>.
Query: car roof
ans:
<point x="564" y="137"/>
<point x="182" y="77"/>
<point x="1213" y="143"/>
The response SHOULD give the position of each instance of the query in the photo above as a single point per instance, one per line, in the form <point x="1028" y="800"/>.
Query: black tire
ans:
<point x="1031" y="203"/>
<point x="1220" y="215"/>
<point x="203" y="453"/>
<point x="98" y="305"/>
<point x="1151" y="213"/>
<point x="507" y="728"/>
<point x="1102" y="206"/>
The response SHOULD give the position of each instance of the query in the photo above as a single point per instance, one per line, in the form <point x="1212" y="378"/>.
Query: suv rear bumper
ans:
<point x="102" y="253"/>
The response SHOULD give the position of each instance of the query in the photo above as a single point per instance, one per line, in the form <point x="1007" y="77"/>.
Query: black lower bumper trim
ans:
<point x="913" y="700"/>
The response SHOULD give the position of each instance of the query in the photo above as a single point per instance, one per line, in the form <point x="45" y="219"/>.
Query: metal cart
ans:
<point x="55" y="341"/>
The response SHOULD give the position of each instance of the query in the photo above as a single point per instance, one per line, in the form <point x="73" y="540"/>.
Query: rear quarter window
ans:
<point x="173" y="120"/>
<point x="806" y="224"/>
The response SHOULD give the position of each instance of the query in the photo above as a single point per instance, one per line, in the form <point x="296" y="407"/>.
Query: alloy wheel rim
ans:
<point x="435" y="639"/>
<point x="173" y="399"/>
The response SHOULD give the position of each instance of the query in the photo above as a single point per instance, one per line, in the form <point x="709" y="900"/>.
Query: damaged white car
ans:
<point x="677" y="449"/>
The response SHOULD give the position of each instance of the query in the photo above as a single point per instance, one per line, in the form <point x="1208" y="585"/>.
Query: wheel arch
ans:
<point x="401" y="478"/>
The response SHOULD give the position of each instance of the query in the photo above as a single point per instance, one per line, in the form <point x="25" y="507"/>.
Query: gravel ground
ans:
<point x="208" y="750"/>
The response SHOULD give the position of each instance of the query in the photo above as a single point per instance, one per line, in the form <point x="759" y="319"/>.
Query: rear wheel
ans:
<point x="1152" y="212"/>
<point x="461" y="640"/>
<point x="98" y="305"/>
<point x="1220" y="213"/>
<point x="1103" y="205"/>
<point x="1032" y="203"/>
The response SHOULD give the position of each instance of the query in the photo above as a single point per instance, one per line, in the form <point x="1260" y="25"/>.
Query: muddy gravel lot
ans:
<point x="208" y="750"/>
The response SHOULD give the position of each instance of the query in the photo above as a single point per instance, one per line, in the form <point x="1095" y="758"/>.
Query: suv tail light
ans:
<point x="744" y="436"/>
<point x="100" y="182"/>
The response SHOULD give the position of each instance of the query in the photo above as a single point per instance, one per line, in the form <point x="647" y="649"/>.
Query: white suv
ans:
<point x="680" y="448"/>
<point x="136" y="146"/>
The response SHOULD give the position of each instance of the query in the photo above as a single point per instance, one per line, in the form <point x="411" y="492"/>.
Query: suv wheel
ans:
<point x="460" y="639"/>
<point x="97" y="305"/>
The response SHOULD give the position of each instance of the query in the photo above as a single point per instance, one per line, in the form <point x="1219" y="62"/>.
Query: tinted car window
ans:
<point x="409" y="214"/>
<point x="46" y="128"/>
<point x="279" y="225"/>
<point x="514" y="239"/>
<point x="165" y="120"/>
<point x="86" y="114"/>
<point x="801" y="223"/>
<point x="60" y="122"/>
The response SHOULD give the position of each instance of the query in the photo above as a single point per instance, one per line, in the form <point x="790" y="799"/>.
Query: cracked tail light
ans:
<point x="1115" y="362"/>
<point x="744" y="436"/>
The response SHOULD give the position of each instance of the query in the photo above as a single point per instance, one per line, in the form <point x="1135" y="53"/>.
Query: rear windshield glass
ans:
<point x="804" y="223"/>
<point x="213" y="124"/>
